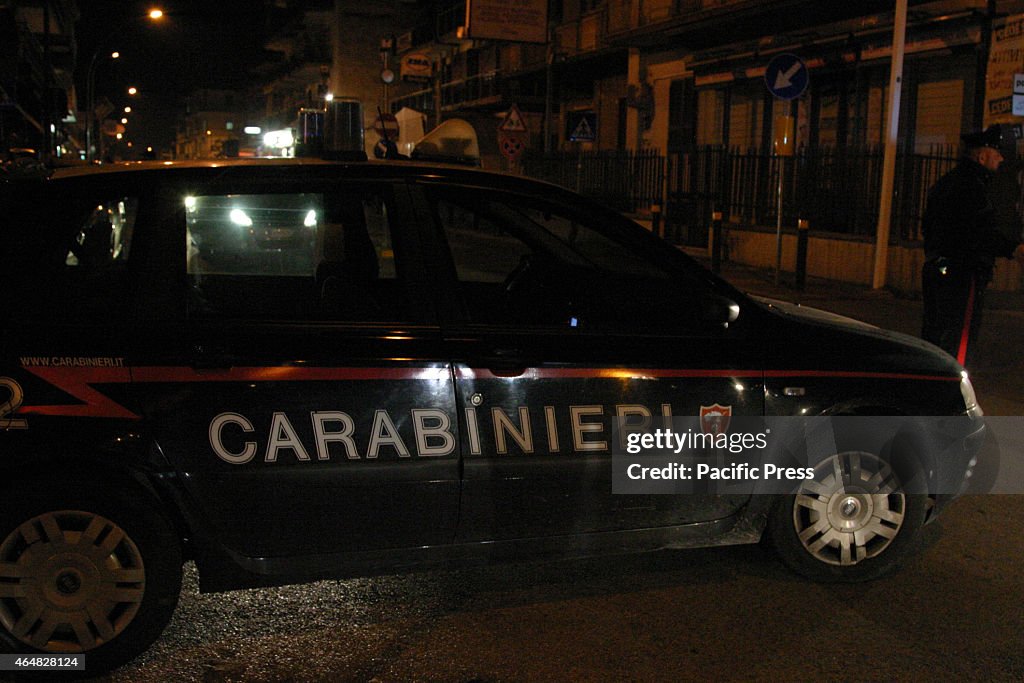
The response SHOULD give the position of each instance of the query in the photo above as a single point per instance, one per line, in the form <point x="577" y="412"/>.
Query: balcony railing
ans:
<point x="472" y="90"/>
<point x="485" y="88"/>
<point x="626" y="15"/>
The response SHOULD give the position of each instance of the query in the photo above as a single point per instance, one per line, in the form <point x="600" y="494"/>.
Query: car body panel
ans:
<point x="306" y="444"/>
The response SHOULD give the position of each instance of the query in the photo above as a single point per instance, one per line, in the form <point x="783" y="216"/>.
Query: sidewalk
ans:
<point x="999" y="375"/>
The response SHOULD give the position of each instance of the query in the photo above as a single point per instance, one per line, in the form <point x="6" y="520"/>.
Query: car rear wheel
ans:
<point x="855" y="520"/>
<point x="84" y="576"/>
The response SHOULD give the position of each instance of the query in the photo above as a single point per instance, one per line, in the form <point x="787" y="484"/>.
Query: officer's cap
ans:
<point x="990" y="137"/>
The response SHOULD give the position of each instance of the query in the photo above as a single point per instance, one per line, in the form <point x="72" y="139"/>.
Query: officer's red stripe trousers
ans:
<point x="965" y="333"/>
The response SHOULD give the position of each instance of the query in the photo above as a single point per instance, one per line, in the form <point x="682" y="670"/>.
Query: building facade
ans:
<point x="37" y="93"/>
<point x="685" y="80"/>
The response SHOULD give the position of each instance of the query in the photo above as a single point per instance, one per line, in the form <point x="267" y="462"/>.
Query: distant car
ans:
<point x="288" y="370"/>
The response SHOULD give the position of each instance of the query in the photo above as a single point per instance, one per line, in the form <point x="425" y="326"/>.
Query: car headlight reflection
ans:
<point x="239" y="217"/>
<point x="970" y="398"/>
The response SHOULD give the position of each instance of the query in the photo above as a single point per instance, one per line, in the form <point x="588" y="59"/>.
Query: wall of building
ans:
<point x="844" y="106"/>
<point x="355" y="71"/>
<point x="660" y="73"/>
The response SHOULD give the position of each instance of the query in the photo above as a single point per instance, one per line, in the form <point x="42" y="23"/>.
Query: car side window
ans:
<point x="600" y="250"/>
<point x="87" y="264"/>
<point x="105" y="238"/>
<point x="520" y="261"/>
<point x="293" y="256"/>
<point x="483" y="251"/>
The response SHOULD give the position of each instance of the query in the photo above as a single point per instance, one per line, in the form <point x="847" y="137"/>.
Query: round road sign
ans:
<point x="786" y="76"/>
<point x="512" y="145"/>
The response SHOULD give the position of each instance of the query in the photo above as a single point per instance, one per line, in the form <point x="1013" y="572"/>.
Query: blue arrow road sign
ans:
<point x="786" y="76"/>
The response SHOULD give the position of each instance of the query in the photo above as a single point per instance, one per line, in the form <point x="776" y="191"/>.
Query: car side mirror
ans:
<point x="719" y="310"/>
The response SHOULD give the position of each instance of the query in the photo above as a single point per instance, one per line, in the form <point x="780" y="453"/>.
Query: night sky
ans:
<point x="211" y="43"/>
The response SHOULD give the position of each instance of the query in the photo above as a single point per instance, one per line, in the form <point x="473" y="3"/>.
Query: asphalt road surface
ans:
<point x="718" y="614"/>
<point x="954" y="612"/>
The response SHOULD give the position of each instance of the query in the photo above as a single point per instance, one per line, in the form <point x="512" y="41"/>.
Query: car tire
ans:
<point x="856" y="520"/>
<point x="83" y="573"/>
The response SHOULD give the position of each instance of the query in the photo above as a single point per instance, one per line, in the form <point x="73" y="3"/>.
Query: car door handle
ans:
<point x="507" y="362"/>
<point x="510" y="370"/>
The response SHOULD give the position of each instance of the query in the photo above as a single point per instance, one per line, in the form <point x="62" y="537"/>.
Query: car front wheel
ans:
<point x="82" y="575"/>
<point x="855" y="520"/>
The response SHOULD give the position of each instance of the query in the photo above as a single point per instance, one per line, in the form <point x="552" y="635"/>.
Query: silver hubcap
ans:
<point x="851" y="510"/>
<point x="69" y="581"/>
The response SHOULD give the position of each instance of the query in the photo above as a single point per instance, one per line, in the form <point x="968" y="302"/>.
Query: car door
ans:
<point x="563" y="324"/>
<point x="297" y="380"/>
<point x="72" y="268"/>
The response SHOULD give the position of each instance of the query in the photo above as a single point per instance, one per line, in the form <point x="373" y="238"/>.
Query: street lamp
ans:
<point x="154" y="14"/>
<point x="90" y="98"/>
<point x="133" y="90"/>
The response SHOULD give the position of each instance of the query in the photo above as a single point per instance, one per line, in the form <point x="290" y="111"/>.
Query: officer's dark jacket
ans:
<point x="959" y="222"/>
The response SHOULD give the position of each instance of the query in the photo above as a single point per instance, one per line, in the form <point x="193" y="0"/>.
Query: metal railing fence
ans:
<point x="836" y="188"/>
<point x="629" y="181"/>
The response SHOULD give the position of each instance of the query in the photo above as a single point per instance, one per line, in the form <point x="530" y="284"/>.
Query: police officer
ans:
<point x="961" y="243"/>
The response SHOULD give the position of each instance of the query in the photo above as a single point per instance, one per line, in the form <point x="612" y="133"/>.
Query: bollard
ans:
<point x="803" y="228"/>
<point x="656" y="221"/>
<point x="716" y="241"/>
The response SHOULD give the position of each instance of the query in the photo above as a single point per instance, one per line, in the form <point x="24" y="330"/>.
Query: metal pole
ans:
<point x="899" y="31"/>
<point x="547" y="92"/>
<point x="778" y="220"/>
<point x="437" y="91"/>
<point x="716" y="241"/>
<point x="579" y="167"/>
<point x="48" y="107"/>
<point x="387" y="99"/>
<point x="90" y="95"/>
<point x="985" y="49"/>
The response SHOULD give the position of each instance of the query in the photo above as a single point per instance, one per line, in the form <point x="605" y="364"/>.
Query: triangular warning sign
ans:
<point x="583" y="131"/>
<point x="513" y="122"/>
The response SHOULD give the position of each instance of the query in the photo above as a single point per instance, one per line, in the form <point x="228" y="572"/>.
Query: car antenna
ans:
<point x="386" y="147"/>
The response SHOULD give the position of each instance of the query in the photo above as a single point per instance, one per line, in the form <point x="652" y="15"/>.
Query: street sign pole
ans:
<point x="548" y="59"/>
<point x="787" y="78"/>
<point x="778" y="219"/>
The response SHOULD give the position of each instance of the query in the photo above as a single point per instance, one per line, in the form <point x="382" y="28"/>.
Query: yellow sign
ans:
<point x="1005" y="61"/>
<point x="417" y="67"/>
<point x="783" y="143"/>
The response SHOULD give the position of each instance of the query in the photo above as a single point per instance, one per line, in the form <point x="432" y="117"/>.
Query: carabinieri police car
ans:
<point x="294" y="369"/>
